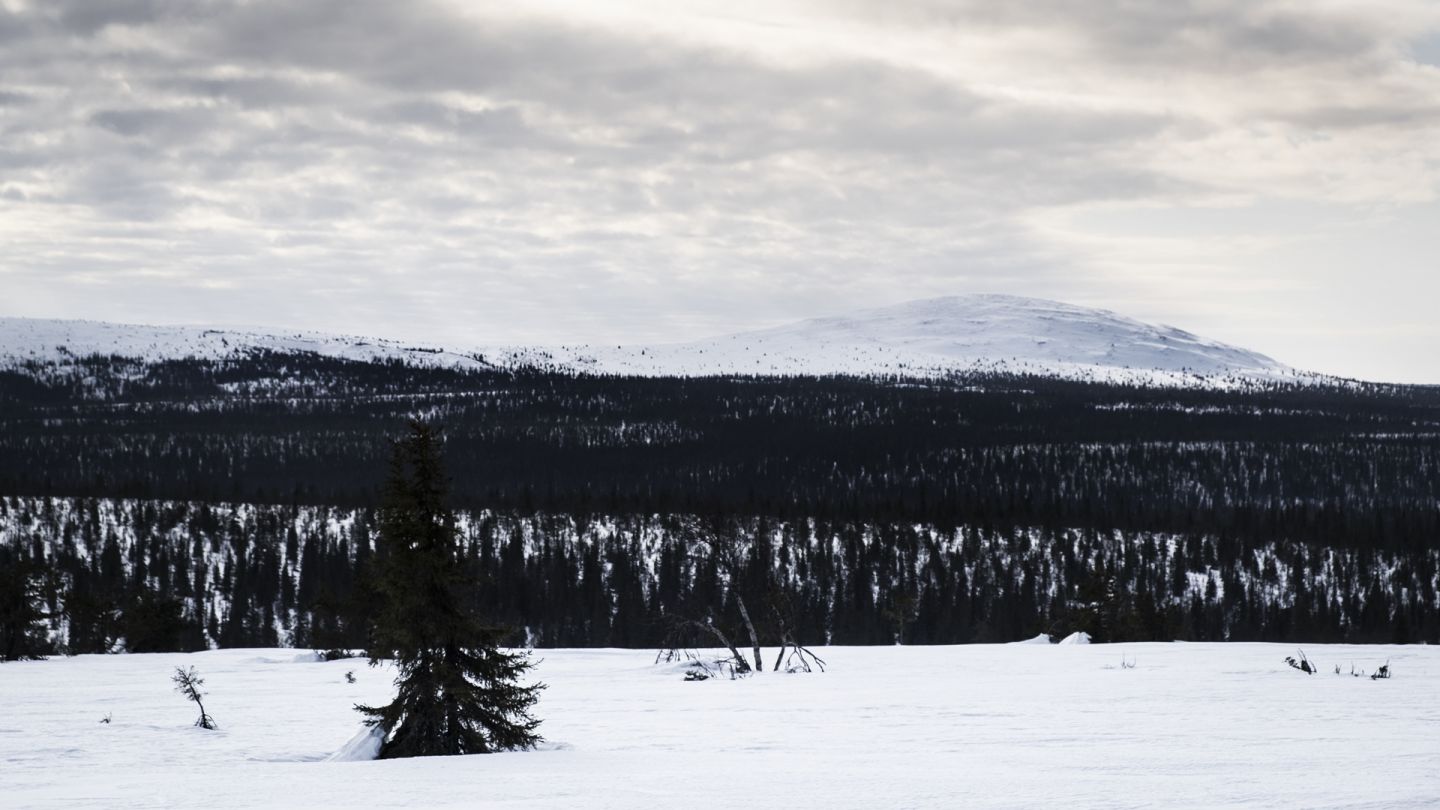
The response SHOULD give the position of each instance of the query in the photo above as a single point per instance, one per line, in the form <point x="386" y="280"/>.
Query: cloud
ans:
<point x="644" y="170"/>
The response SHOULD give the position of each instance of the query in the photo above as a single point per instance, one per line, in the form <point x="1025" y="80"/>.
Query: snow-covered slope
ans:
<point x="923" y="338"/>
<point x="920" y="338"/>
<point x="24" y="339"/>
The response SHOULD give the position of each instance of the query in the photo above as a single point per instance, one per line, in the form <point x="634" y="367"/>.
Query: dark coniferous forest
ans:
<point x="178" y="505"/>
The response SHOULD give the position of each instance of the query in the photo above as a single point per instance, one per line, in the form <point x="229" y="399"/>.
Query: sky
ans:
<point x="1265" y="173"/>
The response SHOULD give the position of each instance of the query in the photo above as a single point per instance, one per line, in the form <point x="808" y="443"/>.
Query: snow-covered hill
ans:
<point x="939" y="335"/>
<point x="920" y="338"/>
<point x="59" y="341"/>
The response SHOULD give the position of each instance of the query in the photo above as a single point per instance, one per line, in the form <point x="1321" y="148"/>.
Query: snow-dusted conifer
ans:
<point x="458" y="692"/>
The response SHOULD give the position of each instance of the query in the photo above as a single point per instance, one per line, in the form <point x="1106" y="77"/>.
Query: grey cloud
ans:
<point x="12" y="99"/>
<point x="126" y="191"/>
<point x="1305" y="55"/>
<point x="415" y="46"/>
<point x="1391" y="115"/>
<point x="81" y="17"/>
<point x="500" y="126"/>
<point x="890" y="139"/>
<point x="1248" y="34"/>
<point x="733" y="110"/>
<point x="1426" y="49"/>
<point x="13" y="159"/>
<point x="255" y="92"/>
<point x="1225" y="35"/>
<point x="169" y="124"/>
<point x="14" y="26"/>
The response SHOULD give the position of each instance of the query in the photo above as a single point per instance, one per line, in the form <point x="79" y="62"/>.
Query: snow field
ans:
<point x="1020" y="725"/>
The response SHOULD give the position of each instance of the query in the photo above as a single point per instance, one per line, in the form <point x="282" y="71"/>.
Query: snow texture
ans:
<point x="363" y="747"/>
<point x="924" y="338"/>
<point x="1023" y="726"/>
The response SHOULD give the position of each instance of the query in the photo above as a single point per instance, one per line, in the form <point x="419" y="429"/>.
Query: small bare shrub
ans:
<point x="188" y="683"/>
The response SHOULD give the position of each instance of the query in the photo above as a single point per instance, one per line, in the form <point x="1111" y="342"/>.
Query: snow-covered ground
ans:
<point x="927" y="338"/>
<point x="1023" y="725"/>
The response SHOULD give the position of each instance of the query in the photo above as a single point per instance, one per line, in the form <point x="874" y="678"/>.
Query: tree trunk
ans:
<point x="739" y="659"/>
<point x="750" y="627"/>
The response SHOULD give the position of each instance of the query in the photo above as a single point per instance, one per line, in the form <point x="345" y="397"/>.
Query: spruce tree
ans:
<point x="22" y="632"/>
<point x="154" y="623"/>
<point x="458" y="692"/>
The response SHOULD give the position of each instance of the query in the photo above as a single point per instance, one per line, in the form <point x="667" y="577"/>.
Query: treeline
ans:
<point x="147" y="576"/>
<point x="1348" y="467"/>
<point x="185" y="504"/>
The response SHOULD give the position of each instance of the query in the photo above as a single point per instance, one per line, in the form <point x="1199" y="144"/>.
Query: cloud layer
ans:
<point x="639" y="171"/>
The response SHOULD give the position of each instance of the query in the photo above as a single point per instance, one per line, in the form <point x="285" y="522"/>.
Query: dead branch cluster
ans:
<point x="683" y="642"/>
<point x="687" y="637"/>
<point x="1380" y="674"/>
<point x="1306" y="666"/>
<point x="688" y="634"/>
<point x="793" y="656"/>
<point x="1302" y="663"/>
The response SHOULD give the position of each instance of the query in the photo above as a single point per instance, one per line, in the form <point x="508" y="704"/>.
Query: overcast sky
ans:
<point x="1264" y="173"/>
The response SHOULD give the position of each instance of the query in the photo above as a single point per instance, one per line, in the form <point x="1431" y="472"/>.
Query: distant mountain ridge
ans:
<point x="922" y="338"/>
<point x="940" y="335"/>
<point x="41" y="340"/>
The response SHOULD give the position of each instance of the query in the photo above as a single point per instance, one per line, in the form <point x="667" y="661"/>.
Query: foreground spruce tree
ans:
<point x="458" y="692"/>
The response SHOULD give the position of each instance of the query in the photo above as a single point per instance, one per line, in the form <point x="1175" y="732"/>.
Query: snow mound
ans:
<point x="1078" y="637"/>
<point x="1043" y="638"/>
<point x="362" y="747"/>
